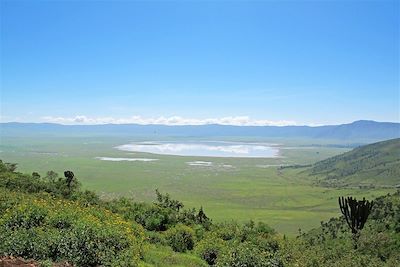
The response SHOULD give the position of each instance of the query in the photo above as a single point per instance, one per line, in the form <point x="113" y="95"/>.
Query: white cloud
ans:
<point x="174" y="120"/>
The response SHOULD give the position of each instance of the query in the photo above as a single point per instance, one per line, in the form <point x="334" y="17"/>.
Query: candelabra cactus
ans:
<point x="356" y="214"/>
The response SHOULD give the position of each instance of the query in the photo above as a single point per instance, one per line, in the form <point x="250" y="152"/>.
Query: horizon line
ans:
<point x="204" y="124"/>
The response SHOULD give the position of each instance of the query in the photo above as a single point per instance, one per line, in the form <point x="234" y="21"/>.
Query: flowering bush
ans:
<point x="43" y="227"/>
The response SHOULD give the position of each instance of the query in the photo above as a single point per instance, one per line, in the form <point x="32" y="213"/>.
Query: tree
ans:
<point x="165" y="201"/>
<point x="201" y="216"/>
<point x="202" y="219"/>
<point x="69" y="175"/>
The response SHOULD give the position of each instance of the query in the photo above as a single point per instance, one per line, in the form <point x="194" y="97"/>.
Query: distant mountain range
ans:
<point x="369" y="165"/>
<point x="361" y="131"/>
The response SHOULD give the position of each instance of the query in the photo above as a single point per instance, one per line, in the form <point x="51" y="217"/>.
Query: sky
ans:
<point x="198" y="62"/>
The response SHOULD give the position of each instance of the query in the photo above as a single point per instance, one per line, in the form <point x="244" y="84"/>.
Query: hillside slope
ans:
<point x="376" y="164"/>
<point x="49" y="221"/>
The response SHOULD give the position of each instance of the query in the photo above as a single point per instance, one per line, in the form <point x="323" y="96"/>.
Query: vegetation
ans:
<point x="356" y="214"/>
<point x="370" y="165"/>
<point x="43" y="218"/>
<point x="231" y="189"/>
<point x="332" y="243"/>
<point x="47" y="228"/>
<point x="48" y="219"/>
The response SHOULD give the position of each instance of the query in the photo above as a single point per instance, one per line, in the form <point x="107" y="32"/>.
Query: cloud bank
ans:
<point x="174" y="120"/>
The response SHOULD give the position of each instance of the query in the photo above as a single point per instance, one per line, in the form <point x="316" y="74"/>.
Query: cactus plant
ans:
<point x="356" y="214"/>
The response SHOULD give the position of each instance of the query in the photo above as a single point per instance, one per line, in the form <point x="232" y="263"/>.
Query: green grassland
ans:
<point x="253" y="188"/>
<point x="374" y="164"/>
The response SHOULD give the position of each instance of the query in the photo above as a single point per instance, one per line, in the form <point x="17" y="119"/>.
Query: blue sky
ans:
<point x="314" y="62"/>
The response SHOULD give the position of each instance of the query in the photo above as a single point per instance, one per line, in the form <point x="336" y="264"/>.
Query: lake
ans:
<point x="205" y="149"/>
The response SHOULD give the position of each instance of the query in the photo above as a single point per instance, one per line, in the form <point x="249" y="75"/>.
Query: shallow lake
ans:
<point x="205" y="148"/>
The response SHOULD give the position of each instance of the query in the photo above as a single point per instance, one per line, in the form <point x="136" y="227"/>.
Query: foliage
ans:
<point x="47" y="228"/>
<point x="181" y="238"/>
<point x="228" y="230"/>
<point x="165" y="201"/>
<point x="332" y="243"/>
<point x="248" y="189"/>
<point x="45" y="219"/>
<point x="210" y="248"/>
<point x="151" y="217"/>
<point x="158" y="255"/>
<point x="158" y="216"/>
<point x="376" y="164"/>
<point x="51" y="183"/>
<point x="246" y="254"/>
<point x="233" y="244"/>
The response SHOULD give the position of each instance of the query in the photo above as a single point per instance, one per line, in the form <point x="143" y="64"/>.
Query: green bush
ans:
<point x="180" y="238"/>
<point x="156" y="238"/>
<point x="226" y="230"/>
<point x="26" y="217"/>
<point x="150" y="216"/>
<point x="47" y="228"/>
<point x="210" y="248"/>
<point x="246" y="254"/>
<point x="27" y="243"/>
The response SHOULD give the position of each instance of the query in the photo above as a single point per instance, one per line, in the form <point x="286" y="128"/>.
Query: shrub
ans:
<point x="47" y="228"/>
<point x="227" y="230"/>
<point x="150" y="216"/>
<point x="210" y="248"/>
<point x="257" y="233"/>
<point x="246" y="254"/>
<point x="156" y="238"/>
<point x="180" y="238"/>
<point x="26" y="217"/>
<point x="26" y="243"/>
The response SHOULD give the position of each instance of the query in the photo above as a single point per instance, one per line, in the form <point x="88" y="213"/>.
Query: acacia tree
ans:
<point x="356" y="214"/>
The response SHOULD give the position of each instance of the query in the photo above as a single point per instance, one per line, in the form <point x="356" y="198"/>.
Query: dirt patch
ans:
<point x="13" y="261"/>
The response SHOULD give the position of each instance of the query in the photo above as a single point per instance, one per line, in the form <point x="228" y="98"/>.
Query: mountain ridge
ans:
<point x="358" y="130"/>
<point x="362" y="121"/>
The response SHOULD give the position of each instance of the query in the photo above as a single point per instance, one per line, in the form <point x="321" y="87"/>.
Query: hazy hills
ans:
<point x="374" y="164"/>
<point x="356" y="131"/>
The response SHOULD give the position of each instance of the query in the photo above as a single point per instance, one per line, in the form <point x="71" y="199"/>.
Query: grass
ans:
<point x="166" y="257"/>
<point x="285" y="199"/>
<point x="376" y="164"/>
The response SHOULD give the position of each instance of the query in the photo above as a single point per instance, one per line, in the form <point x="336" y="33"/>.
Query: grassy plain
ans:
<point x="252" y="188"/>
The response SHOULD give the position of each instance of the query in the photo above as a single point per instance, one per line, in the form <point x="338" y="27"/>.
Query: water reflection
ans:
<point x="208" y="149"/>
